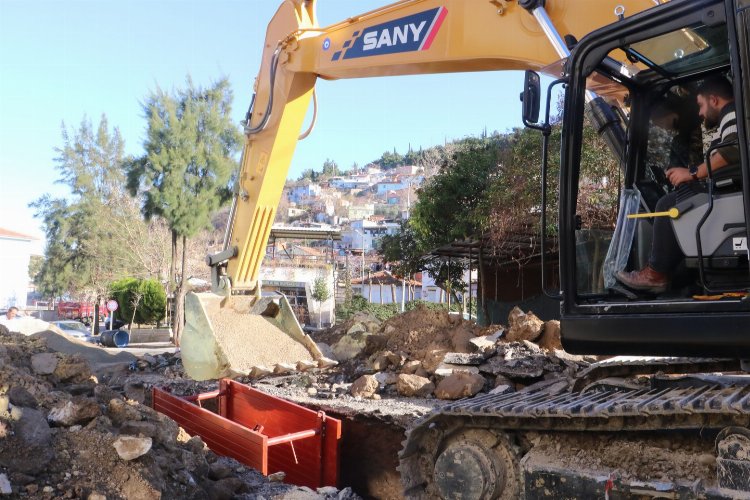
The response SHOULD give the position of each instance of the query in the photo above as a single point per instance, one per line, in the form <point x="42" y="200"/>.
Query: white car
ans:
<point x="74" y="329"/>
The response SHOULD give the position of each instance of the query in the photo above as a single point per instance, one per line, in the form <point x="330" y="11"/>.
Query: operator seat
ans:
<point x="722" y="235"/>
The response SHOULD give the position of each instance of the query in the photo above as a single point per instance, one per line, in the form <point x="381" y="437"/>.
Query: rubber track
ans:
<point x="552" y="406"/>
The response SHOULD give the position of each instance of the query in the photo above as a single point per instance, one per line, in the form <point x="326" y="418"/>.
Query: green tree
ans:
<point x="186" y="172"/>
<point x="389" y="160"/>
<point x="320" y="293"/>
<point x="330" y="168"/>
<point x="82" y="254"/>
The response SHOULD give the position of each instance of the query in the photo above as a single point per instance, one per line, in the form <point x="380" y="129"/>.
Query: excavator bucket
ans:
<point x="242" y="335"/>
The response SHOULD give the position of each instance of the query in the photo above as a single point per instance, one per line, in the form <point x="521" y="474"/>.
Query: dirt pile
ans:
<point x="64" y="433"/>
<point x="443" y="356"/>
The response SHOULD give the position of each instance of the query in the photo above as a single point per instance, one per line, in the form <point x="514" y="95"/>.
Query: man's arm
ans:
<point x="679" y="175"/>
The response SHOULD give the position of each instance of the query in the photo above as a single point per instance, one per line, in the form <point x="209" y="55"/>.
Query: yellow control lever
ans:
<point x="672" y="212"/>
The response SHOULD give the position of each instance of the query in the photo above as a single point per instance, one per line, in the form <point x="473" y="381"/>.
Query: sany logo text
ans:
<point x="406" y="34"/>
<point x="400" y="34"/>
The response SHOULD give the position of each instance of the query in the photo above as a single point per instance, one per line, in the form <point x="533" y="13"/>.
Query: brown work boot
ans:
<point x="645" y="280"/>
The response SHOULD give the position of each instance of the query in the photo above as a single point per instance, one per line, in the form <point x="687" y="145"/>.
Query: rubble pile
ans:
<point x="66" y="432"/>
<point x="430" y="353"/>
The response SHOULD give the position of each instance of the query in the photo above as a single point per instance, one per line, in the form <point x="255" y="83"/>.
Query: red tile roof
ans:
<point x="7" y="233"/>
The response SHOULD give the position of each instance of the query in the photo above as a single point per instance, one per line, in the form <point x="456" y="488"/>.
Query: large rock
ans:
<point x="460" y="385"/>
<point x="74" y="412"/>
<point x="121" y="411"/>
<point x="131" y="447"/>
<point x="524" y="326"/>
<point x="433" y="359"/>
<point x="19" y="396"/>
<point x="550" y="338"/>
<point x="349" y="346"/>
<point x="44" y="363"/>
<point x="365" y="386"/>
<point x="414" y="385"/>
<point x="356" y="328"/>
<point x="72" y="369"/>
<point x="32" y="434"/>
<point x="410" y="367"/>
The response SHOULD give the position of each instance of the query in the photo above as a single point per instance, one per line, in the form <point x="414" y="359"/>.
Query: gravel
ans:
<point x="250" y="340"/>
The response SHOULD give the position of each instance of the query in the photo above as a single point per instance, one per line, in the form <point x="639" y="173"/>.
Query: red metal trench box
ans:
<point x="261" y="431"/>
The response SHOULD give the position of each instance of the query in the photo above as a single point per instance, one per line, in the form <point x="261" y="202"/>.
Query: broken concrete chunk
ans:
<point x="446" y="369"/>
<point x="259" y="371"/>
<point x="486" y="343"/>
<point x="325" y="362"/>
<point x="386" y="378"/>
<point x="413" y="385"/>
<point x="305" y="365"/>
<point x="76" y="411"/>
<point x="460" y="358"/>
<point x="131" y="447"/>
<point x="365" y="386"/>
<point x="284" y="368"/>
<point x="529" y="367"/>
<point x="524" y="326"/>
<point x="44" y="363"/>
<point x="460" y="385"/>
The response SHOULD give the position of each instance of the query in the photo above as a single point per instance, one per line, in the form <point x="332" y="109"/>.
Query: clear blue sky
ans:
<point x="63" y="60"/>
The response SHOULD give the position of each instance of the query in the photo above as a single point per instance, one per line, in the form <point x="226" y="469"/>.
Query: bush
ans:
<point x="149" y="294"/>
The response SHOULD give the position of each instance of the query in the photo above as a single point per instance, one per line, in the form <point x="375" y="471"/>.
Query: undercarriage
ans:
<point x="660" y="428"/>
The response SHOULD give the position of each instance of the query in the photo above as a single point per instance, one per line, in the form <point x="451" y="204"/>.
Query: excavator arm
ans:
<point x="405" y="38"/>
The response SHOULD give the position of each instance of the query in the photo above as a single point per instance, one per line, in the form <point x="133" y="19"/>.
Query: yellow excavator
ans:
<point x="636" y="427"/>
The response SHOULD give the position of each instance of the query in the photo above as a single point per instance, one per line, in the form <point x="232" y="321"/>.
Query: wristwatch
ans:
<point x="693" y="172"/>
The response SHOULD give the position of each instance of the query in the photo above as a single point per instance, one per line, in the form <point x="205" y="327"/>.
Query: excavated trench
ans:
<point x="369" y="456"/>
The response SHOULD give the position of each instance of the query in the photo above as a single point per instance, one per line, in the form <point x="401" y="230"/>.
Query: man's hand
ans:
<point x="679" y="175"/>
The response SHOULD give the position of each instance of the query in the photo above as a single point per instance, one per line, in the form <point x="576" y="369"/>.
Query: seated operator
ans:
<point x="716" y="107"/>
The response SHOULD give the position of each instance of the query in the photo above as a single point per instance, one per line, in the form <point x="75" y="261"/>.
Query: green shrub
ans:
<point x="149" y="295"/>
<point x="386" y="311"/>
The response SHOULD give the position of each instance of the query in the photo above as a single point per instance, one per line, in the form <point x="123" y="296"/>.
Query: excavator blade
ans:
<point x="242" y="335"/>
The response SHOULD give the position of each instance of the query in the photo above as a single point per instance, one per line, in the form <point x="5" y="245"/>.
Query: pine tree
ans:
<point x="83" y="254"/>
<point x="186" y="172"/>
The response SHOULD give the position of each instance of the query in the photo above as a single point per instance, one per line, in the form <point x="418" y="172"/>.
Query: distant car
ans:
<point x="73" y="328"/>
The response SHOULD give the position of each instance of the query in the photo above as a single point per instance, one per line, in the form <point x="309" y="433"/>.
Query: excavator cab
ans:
<point x="608" y="198"/>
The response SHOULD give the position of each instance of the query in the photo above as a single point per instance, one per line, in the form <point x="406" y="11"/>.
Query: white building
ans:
<point x="15" y="253"/>
<point x="298" y="194"/>
<point x="384" y="288"/>
<point x="366" y="234"/>
<point x="297" y="284"/>
<point x="433" y="293"/>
